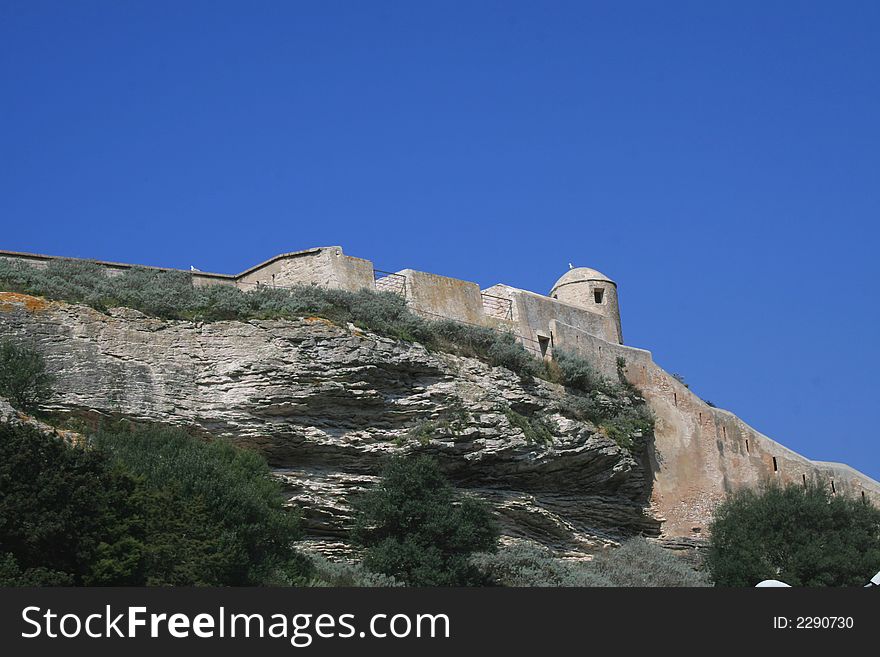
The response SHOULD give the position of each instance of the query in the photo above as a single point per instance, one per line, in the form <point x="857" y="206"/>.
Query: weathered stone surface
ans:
<point x="9" y="415"/>
<point x="328" y="404"/>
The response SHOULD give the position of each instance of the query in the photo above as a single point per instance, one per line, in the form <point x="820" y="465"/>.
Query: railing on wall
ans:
<point x="498" y="307"/>
<point x="387" y="281"/>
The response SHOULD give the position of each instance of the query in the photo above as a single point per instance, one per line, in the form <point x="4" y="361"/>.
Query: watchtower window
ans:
<point x="599" y="295"/>
<point x="775" y="465"/>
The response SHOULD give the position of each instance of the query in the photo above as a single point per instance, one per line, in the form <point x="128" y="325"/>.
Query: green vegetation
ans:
<point x="640" y="563"/>
<point x="635" y="563"/>
<point x="804" y="536"/>
<point x="140" y="507"/>
<point x="536" y="429"/>
<point x="237" y="531"/>
<point x="23" y="377"/>
<point x="172" y="295"/>
<point x="414" y="529"/>
<point x="335" y="573"/>
<point x="526" y="564"/>
<point x="66" y="517"/>
<point x="452" y="423"/>
<point x="617" y="408"/>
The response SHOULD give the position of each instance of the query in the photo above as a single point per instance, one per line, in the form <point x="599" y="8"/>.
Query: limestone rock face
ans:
<point x="328" y="404"/>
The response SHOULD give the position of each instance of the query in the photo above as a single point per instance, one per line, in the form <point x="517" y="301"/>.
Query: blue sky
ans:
<point x="719" y="160"/>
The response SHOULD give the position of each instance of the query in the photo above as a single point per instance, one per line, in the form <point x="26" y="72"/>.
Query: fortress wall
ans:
<point x="309" y="267"/>
<point x="536" y="311"/>
<point x="201" y="279"/>
<point x="325" y="267"/>
<point x="703" y="453"/>
<point x="700" y="453"/>
<point x="352" y="273"/>
<point x="39" y="262"/>
<point x="534" y="314"/>
<point x="434" y="295"/>
<point x="115" y="268"/>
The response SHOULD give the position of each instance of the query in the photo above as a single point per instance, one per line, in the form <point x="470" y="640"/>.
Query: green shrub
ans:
<point x="527" y="565"/>
<point x="414" y="528"/>
<point x="575" y="372"/>
<point x="219" y="517"/>
<point x="616" y="408"/>
<point x="635" y="563"/>
<point x="506" y="352"/>
<point x="536" y="429"/>
<point x="24" y="380"/>
<point x="145" y="507"/>
<point x="11" y="574"/>
<point x="804" y="536"/>
<point x="335" y="574"/>
<point x="638" y="562"/>
<point x="66" y="516"/>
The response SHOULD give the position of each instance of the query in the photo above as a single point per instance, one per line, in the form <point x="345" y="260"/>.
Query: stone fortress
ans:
<point x="701" y="453"/>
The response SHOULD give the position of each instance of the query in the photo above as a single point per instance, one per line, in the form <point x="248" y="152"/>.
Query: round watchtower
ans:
<point x="592" y="290"/>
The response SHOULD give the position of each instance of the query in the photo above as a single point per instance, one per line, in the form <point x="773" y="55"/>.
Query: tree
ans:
<point x="804" y="536"/>
<point x="215" y="516"/>
<point x="140" y="507"/>
<point x="66" y="518"/>
<point x="24" y="380"/>
<point x="416" y="530"/>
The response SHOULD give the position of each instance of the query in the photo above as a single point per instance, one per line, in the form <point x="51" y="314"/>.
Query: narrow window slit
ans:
<point x="775" y="465"/>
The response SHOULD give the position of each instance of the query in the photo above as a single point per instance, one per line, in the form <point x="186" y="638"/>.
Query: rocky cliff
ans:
<point x="327" y="404"/>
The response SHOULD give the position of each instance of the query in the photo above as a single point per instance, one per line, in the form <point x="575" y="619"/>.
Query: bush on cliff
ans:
<point x="172" y="295"/>
<point x="528" y="565"/>
<point x="66" y="516"/>
<point x="804" y="536"/>
<point x="24" y="380"/>
<point x="145" y="507"/>
<point x="219" y="518"/>
<point x="635" y="563"/>
<point x="326" y="573"/>
<point x="615" y="407"/>
<point x="638" y="562"/>
<point x="415" y="529"/>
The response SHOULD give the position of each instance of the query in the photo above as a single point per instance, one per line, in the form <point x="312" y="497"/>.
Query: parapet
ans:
<point x="440" y="297"/>
<point x="324" y="266"/>
<point x="525" y="313"/>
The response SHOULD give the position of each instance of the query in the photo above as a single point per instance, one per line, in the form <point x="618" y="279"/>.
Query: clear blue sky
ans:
<point x="720" y="161"/>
